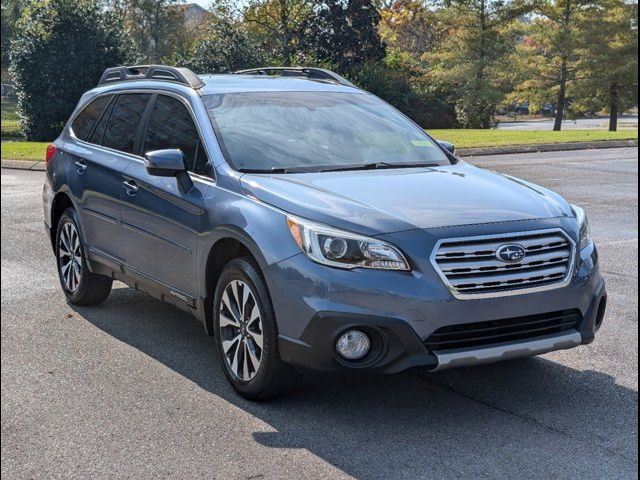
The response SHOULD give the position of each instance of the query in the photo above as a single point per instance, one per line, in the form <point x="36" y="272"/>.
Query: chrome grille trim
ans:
<point x="469" y="268"/>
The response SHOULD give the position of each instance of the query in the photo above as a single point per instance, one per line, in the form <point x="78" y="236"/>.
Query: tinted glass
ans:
<point x="122" y="127"/>
<point x="85" y="121"/>
<point x="171" y="126"/>
<point x="266" y="130"/>
<point x="98" y="132"/>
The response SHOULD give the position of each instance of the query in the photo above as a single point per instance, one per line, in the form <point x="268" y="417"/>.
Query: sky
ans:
<point x="206" y="3"/>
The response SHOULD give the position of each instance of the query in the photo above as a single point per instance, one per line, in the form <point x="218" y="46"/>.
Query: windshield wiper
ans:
<point x="273" y="170"/>
<point x="378" y="165"/>
<point x="338" y="168"/>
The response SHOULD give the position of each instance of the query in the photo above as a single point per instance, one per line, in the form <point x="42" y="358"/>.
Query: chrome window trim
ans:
<point x="566" y="280"/>
<point x="132" y="156"/>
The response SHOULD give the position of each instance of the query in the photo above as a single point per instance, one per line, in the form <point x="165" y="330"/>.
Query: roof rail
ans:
<point x="180" y="75"/>
<point x="312" y="73"/>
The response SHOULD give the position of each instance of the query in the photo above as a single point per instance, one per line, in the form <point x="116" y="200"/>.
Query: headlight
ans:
<point x="583" y="225"/>
<point x="338" y="248"/>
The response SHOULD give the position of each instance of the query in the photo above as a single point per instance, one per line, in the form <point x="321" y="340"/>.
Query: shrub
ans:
<point x="409" y="93"/>
<point x="224" y="47"/>
<point x="61" y="49"/>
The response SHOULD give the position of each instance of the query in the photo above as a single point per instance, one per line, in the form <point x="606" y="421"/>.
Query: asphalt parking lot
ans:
<point x="130" y="389"/>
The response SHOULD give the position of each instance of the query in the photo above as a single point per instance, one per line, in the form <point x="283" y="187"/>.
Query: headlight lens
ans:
<point x="337" y="248"/>
<point x="583" y="224"/>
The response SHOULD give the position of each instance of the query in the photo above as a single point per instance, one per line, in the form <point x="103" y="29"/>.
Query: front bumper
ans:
<point x="397" y="346"/>
<point x="401" y="310"/>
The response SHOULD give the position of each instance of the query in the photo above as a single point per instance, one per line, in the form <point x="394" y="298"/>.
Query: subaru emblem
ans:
<point x="511" y="253"/>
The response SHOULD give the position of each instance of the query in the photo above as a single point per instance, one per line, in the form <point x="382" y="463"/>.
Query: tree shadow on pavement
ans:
<point x="519" y="419"/>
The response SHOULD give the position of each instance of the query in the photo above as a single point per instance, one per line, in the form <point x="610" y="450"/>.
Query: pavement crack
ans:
<point x="529" y="419"/>
<point x="625" y="275"/>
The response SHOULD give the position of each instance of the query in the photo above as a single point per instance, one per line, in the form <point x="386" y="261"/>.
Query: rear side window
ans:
<point x="122" y="127"/>
<point x="87" y="119"/>
<point x="171" y="126"/>
<point x="98" y="132"/>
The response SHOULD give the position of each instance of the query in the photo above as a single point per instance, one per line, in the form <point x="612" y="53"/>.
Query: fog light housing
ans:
<point x="353" y="345"/>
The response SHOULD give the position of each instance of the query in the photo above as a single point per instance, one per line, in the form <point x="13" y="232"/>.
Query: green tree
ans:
<point x="278" y="26"/>
<point x="406" y="89"/>
<point x="473" y="57"/>
<point x="11" y="11"/>
<point x="344" y="33"/>
<point x="554" y="49"/>
<point x="608" y="69"/>
<point x="411" y="27"/>
<point x="225" y="46"/>
<point x="156" y="28"/>
<point x="61" y="49"/>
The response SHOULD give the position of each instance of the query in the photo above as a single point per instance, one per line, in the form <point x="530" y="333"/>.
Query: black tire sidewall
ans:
<point x="70" y="216"/>
<point x="245" y="271"/>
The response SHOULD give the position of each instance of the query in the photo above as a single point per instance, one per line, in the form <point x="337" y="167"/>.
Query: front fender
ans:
<point x="262" y="229"/>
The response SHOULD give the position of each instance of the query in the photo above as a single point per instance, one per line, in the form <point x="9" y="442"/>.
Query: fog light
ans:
<point x="353" y="344"/>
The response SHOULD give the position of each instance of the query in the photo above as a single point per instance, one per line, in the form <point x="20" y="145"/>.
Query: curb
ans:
<point x="462" y="152"/>
<point x="23" y="165"/>
<point x="545" y="147"/>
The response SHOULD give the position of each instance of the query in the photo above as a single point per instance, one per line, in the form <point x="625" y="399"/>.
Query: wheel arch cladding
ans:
<point x="220" y="254"/>
<point x="61" y="202"/>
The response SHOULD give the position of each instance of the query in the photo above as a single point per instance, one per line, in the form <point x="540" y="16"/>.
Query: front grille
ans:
<point x="471" y="267"/>
<point x="471" y="335"/>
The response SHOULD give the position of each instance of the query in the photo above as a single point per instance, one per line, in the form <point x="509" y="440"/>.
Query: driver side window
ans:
<point x="171" y="126"/>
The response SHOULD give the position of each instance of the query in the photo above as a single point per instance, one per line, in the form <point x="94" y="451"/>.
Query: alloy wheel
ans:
<point x="241" y="331"/>
<point x="70" y="256"/>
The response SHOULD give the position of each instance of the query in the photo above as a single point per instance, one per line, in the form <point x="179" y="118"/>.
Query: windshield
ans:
<point x="268" y="131"/>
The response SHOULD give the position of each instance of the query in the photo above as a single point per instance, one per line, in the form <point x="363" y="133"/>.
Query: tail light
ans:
<point x="51" y="151"/>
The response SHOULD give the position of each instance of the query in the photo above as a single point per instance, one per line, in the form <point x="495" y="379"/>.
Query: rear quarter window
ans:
<point x="88" y="117"/>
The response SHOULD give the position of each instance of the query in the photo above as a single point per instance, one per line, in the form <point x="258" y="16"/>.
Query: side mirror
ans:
<point x="165" y="163"/>
<point x="169" y="163"/>
<point x="449" y="147"/>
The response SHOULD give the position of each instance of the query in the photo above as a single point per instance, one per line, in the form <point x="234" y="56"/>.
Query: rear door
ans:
<point x="106" y="132"/>
<point x="160" y="221"/>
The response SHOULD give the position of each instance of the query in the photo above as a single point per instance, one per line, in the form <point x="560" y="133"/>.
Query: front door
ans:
<point x="161" y="221"/>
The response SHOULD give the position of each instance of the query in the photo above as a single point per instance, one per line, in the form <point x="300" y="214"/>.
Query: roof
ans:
<point x="227" y="83"/>
<point x="260" y="83"/>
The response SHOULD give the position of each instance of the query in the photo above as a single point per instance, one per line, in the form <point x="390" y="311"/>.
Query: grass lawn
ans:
<point x="493" y="138"/>
<point x="9" y="120"/>
<point x="17" y="150"/>
<point x="8" y="111"/>
<point x="23" y="150"/>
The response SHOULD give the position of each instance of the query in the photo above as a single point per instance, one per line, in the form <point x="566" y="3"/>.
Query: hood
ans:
<point x="391" y="200"/>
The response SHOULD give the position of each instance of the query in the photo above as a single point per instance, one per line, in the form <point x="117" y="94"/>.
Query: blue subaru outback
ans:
<point x="306" y="223"/>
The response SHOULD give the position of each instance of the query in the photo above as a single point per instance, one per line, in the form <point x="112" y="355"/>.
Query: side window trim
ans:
<point x="107" y="112"/>
<point x="139" y="155"/>
<point x="144" y="125"/>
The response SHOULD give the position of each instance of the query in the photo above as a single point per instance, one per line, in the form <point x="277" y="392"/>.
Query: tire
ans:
<point x="242" y="338"/>
<point x="80" y="286"/>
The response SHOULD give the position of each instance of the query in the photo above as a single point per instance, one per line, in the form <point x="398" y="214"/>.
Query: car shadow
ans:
<point x="525" y="418"/>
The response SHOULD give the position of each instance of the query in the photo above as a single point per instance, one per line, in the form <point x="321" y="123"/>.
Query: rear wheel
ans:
<point x="245" y="333"/>
<point x="81" y="286"/>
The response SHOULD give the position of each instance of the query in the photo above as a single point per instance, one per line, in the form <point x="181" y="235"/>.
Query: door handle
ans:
<point x="131" y="187"/>
<point x="81" y="166"/>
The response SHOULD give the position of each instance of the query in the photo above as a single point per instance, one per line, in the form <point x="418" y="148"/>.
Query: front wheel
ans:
<point x="245" y="333"/>
<point x="81" y="286"/>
